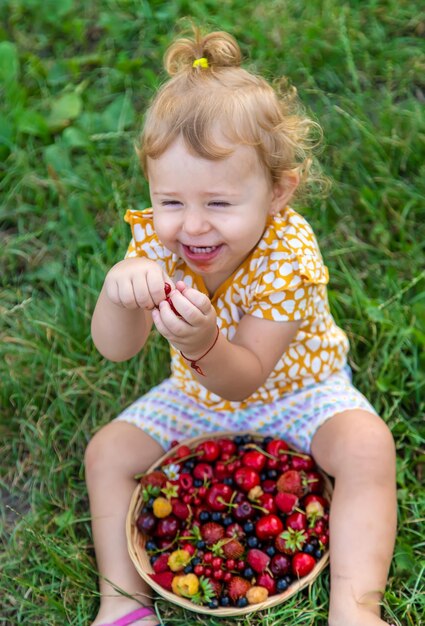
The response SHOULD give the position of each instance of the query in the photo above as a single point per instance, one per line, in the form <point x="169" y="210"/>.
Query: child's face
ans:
<point x="211" y="213"/>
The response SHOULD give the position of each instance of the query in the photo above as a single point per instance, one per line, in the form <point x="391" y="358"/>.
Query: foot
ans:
<point x="114" y="611"/>
<point x="360" y="618"/>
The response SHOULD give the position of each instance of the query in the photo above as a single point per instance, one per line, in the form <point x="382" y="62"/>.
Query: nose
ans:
<point x="195" y="221"/>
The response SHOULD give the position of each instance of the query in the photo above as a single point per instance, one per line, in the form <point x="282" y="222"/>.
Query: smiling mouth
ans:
<point x="201" y="253"/>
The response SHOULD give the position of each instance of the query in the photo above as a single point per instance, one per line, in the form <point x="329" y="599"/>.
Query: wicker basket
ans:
<point x="139" y="556"/>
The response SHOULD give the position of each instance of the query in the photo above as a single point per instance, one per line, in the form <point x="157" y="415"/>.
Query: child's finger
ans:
<point x="198" y="299"/>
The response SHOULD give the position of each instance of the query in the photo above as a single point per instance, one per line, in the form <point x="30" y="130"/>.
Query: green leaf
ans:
<point x="120" y="114"/>
<point x="75" y="138"/>
<point x="31" y="123"/>
<point x="9" y="62"/>
<point x="65" y="109"/>
<point x="58" y="158"/>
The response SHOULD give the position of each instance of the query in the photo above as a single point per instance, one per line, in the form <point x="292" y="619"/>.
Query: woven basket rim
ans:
<point x="138" y="555"/>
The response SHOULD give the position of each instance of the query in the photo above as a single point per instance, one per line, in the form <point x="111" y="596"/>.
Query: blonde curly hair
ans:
<point x="221" y="105"/>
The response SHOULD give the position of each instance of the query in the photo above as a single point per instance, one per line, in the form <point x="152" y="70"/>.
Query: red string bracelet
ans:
<point x="194" y="364"/>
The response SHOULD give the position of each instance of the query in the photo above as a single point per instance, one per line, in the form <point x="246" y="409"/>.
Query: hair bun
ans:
<point x="219" y="48"/>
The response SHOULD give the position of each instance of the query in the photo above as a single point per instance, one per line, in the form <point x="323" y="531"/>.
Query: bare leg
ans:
<point x="114" y="455"/>
<point x="357" y="449"/>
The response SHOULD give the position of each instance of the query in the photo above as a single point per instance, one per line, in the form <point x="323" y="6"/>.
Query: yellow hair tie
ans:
<point x="202" y="62"/>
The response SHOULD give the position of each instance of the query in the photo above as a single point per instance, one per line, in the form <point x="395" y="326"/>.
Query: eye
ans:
<point x="170" y="203"/>
<point x="219" y="203"/>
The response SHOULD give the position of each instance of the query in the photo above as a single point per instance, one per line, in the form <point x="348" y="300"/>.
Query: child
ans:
<point x="253" y="343"/>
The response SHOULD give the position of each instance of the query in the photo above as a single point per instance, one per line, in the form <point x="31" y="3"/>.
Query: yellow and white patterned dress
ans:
<point x="283" y="279"/>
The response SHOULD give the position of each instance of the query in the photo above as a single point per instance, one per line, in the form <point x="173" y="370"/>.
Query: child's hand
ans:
<point x="193" y="328"/>
<point x="136" y="283"/>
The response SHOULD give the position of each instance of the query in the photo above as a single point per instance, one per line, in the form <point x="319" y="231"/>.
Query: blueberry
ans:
<point x="204" y="516"/>
<point x="318" y="554"/>
<point x="213" y="604"/>
<point x="201" y="544"/>
<point x="314" y="541"/>
<point x="216" y="516"/>
<point x="227" y="521"/>
<point x="188" y="569"/>
<point x="196" y="560"/>
<point x="308" y="548"/>
<point x="225" y="601"/>
<point x="248" y="572"/>
<point x="238" y="440"/>
<point x="198" y="482"/>
<point x="248" y="527"/>
<point x="154" y="558"/>
<point x="272" y="474"/>
<point x="150" y="545"/>
<point x="252" y="541"/>
<point x="281" y="585"/>
<point x="150" y="503"/>
<point x="271" y="551"/>
<point x="246" y="439"/>
<point x="267" y="440"/>
<point x="228" y="481"/>
<point x="241" y="602"/>
<point x="288" y="578"/>
<point x="263" y="476"/>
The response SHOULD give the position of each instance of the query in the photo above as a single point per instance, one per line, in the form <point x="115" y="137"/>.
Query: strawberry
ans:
<point x="233" y="549"/>
<point x="286" y="502"/>
<point x="257" y="559"/>
<point x="164" y="579"/>
<point x="291" y="482"/>
<point x="212" y="532"/>
<point x="161" y="563"/>
<point x="302" y="564"/>
<point x="238" y="587"/>
<point x="216" y="586"/>
<point x="290" y="541"/>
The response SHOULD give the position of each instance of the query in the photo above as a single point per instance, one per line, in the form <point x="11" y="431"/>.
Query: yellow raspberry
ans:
<point x="257" y="594"/>
<point x="178" y="560"/>
<point x="186" y="586"/>
<point x="162" y="507"/>
<point x="255" y="493"/>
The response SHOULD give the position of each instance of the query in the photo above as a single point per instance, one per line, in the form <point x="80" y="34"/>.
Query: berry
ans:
<point x="286" y="502"/>
<point x="233" y="549"/>
<point x="164" y="579"/>
<point x="246" y="478"/>
<point x="255" y="460"/>
<point x="258" y="560"/>
<point x="186" y="585"/>
<point x="268" y="526"/>
<point x="241" y="603"/>
<point x="208" y="451"/>
<point x="257" y="594"/>
<point x="167" y="528"/>
<point x="178" y="560"/>
<point x="302" y="564"/>
<point x="162" y="507"/>
<point x="218" y="497"/>
<point x="161" y="563"/>
<point x="280" y="565"/>
<point x="238" y="587"/>
<point x="291" y="482"/>
<point x="266" y="580"/>
<point x="212" y="532"/>
<point x="281" y="585"/>
<point x="146" y="523"/>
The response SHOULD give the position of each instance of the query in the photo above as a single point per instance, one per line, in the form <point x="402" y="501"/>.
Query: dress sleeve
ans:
<point x="285" y="279"/>
<point x="144" y="241"/>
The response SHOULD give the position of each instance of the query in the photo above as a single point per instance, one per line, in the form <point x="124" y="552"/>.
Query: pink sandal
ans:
<point x="132" y="617"/>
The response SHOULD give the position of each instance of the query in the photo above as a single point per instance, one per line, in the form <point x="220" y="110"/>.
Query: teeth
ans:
<point x="206" y="250"/>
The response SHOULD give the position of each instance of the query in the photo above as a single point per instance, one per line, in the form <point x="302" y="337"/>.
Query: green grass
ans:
<point x="75" y="78"/>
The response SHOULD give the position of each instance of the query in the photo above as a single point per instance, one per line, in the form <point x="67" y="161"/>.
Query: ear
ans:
<point x="283" y="190"/>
